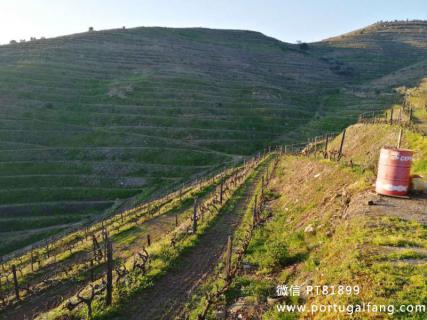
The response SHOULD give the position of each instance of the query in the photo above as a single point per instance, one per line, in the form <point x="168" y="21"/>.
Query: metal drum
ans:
<point x="394" y="169"/>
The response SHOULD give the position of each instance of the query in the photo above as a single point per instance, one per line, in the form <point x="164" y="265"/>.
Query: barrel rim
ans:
<point x="391" y="148"/>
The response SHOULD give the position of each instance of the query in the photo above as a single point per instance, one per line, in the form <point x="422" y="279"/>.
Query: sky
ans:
<point x="290" y="21"/>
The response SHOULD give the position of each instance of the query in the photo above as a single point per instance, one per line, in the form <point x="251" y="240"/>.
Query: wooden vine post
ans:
<point x="342" y="143"/>
<point x="262" y="187"/>
<point x="195" y="216"/>
<point x="32" y="259"/>
<point x="15" y="282"/>
<point x="148" y="240"/>
<point x="221" y="191"/>
<point x="109" y="295"/>
<point x="325" y="152"/>
<point x="254" y="218"/>
<point x="92" y="273"/>
<point x="399" y="139"/>
<point x="47" y="249"/>
<point x="391" y="116"/>
<point x="228" y="257"/>
<point x="97" y="251"/>
<point x="315" y="145"/>
<point x="106" y="240"/>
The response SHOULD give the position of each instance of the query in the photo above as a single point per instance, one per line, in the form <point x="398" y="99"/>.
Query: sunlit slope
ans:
<point x="379" y="49"/>
<point x="374" y="61"/>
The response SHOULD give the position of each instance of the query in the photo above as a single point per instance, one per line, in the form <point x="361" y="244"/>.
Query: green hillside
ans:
<point x="90" y="118"/>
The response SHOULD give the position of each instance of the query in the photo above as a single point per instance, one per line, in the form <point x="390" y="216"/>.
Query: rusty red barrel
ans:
<point x="394" y="169"/>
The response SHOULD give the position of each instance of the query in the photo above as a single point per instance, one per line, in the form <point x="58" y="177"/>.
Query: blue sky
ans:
<point x="305" y="20"/>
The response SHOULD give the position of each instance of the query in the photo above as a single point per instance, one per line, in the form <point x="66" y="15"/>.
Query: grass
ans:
<point x="215" y="281"/>
<point x="164" y="258"/>
<point x="146" y="108"/>
<point x="355" y="257"/>
<point x="93" y="115"/>
<point x="275" y="245"/>
<point x="384" y="255"/>
<point x="118" y="227"/>
<point x="417" y="142"/>
<point x="23" y="240"/>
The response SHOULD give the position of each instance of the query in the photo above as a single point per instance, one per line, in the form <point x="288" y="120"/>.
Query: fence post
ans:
<point x="148" y="240"/>
<point x="95" y="244"/>
<point x="410" y="115"/>
<point x="399" y="140"/>
<point x="262" y="187"/>
<point x="195" y="216"/>
<point x="255" y="213"/>
<point x="32" y="259"/>
<point x="109" y="295"/>
<point x="15" y="282"/>
<point x="106" y="240"/>
<point x="391" y="116"/>
<point x="176" y="220"/>
<point x="325" y="153"/>
<point x="228" y="257"/>
<point x="342" y="143"/>
<point x="92" y="276"/>
<point x="221" y="190"/>
<point x="47" y="249"/>
<point x="399" y="119"/>
<point x="315" y="145"/>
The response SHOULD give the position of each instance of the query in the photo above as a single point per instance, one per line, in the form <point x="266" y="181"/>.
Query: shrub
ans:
<point x="277" y="253"/>
<point x="303" y="46"/>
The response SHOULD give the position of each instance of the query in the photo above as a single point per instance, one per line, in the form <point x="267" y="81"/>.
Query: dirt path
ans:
<point x="166" y="298"/>
<point x="413" y="209"/>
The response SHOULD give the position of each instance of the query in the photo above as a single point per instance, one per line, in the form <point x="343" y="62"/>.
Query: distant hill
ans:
<point x="90" y="118"/>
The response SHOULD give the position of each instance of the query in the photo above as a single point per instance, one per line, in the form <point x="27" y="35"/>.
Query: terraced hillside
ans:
<point x="322" y="225"/>
<point x="92" y="118"/>
<point x="417" y="99"/>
